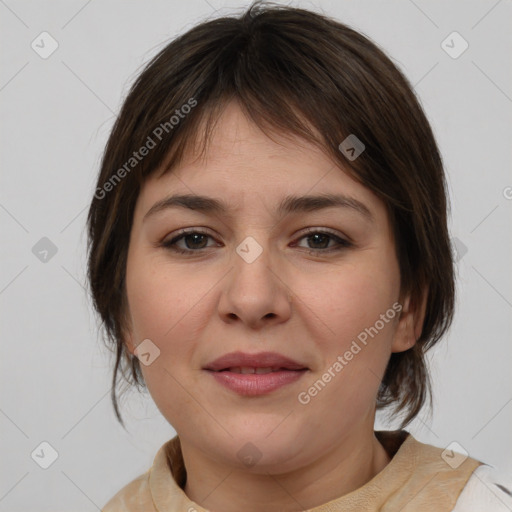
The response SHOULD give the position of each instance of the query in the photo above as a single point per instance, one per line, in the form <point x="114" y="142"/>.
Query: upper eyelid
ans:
<point x="206" y="231"/>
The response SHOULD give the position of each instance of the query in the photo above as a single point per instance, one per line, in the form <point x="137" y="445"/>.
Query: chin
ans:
<point x="268" y="447"/>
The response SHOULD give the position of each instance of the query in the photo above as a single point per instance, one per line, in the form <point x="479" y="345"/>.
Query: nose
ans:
<point x="255" y="293"/>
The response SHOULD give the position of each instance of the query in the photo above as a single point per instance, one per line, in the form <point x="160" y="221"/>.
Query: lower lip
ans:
<point x="252" y="384"/>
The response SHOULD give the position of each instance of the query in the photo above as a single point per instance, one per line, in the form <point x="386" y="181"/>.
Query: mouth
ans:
<point x="262" y="362"/>
<point x="248" y="370"/>
<point x="255" y="374"/>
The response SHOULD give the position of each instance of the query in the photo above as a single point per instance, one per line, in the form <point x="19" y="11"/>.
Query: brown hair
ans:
<point x="297" y="72"/>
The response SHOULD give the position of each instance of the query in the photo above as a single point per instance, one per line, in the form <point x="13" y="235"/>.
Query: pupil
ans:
<point x="196" y="239"/>
<point x="317" y="236"/>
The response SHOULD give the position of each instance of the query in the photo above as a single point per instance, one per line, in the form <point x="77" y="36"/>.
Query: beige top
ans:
<point x="417" y="479"/>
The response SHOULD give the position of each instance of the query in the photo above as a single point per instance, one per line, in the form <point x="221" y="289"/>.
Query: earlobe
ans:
<point x="128" y="341"/>
<point x="127" y="333"/>
<point x="129" y="347"/>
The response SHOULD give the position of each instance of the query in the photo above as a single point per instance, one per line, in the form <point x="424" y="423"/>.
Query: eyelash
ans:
<point x="342" y="243"/>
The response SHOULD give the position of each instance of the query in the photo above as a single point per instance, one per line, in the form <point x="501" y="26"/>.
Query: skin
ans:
<point x="196" y="308"/>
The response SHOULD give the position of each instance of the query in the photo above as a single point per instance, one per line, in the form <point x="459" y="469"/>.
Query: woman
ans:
<point x="269" y="254"/>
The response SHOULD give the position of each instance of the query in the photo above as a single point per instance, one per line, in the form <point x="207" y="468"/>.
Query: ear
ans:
<point x="128" y="342"/>
<point x="410" y="323"/>
<point x="128" y="337"/>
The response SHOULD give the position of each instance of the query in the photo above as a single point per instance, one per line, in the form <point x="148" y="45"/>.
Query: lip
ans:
<point x="285" y="371"/>
<point x="259" y="360"/>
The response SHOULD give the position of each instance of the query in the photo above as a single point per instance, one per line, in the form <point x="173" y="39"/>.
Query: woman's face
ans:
<point x="273" y="272"/>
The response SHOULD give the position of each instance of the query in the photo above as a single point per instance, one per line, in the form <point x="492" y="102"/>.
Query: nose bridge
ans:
<point x="253" y="266"/>
<point x="255" y="290"/>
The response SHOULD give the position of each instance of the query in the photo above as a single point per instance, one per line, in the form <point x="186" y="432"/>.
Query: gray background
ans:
<point x="56" y="115"/>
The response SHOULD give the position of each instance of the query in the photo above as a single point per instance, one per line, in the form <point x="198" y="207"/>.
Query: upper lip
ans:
<point x="259" y="360"/>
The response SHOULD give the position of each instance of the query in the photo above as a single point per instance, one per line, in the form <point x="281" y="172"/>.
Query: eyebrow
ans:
<point x="290" y="204"/>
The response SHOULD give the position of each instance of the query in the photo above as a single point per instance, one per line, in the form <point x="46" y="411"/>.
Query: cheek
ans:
<point x="351" y="299"/>
<point x="163" y="299"/>
<point x="166" y="308"/>
<point x="350" y="303"/>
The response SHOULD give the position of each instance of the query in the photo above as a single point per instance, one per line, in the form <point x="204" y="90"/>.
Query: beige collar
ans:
<point x="417" y="479"/>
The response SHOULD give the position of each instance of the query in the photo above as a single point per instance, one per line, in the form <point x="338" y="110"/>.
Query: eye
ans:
<point x="318" y="241"/>
<point x="193" y="241"/>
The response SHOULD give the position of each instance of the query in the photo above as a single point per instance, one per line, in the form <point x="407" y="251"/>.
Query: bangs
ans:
<point x="194" y="138"/>
<point x="280" y="86"/>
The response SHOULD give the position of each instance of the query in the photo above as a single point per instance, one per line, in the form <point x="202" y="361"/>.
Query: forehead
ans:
<point x="245" y="167"/>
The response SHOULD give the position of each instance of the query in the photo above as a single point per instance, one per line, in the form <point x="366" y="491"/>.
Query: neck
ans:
<point x="345" y="468"/>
